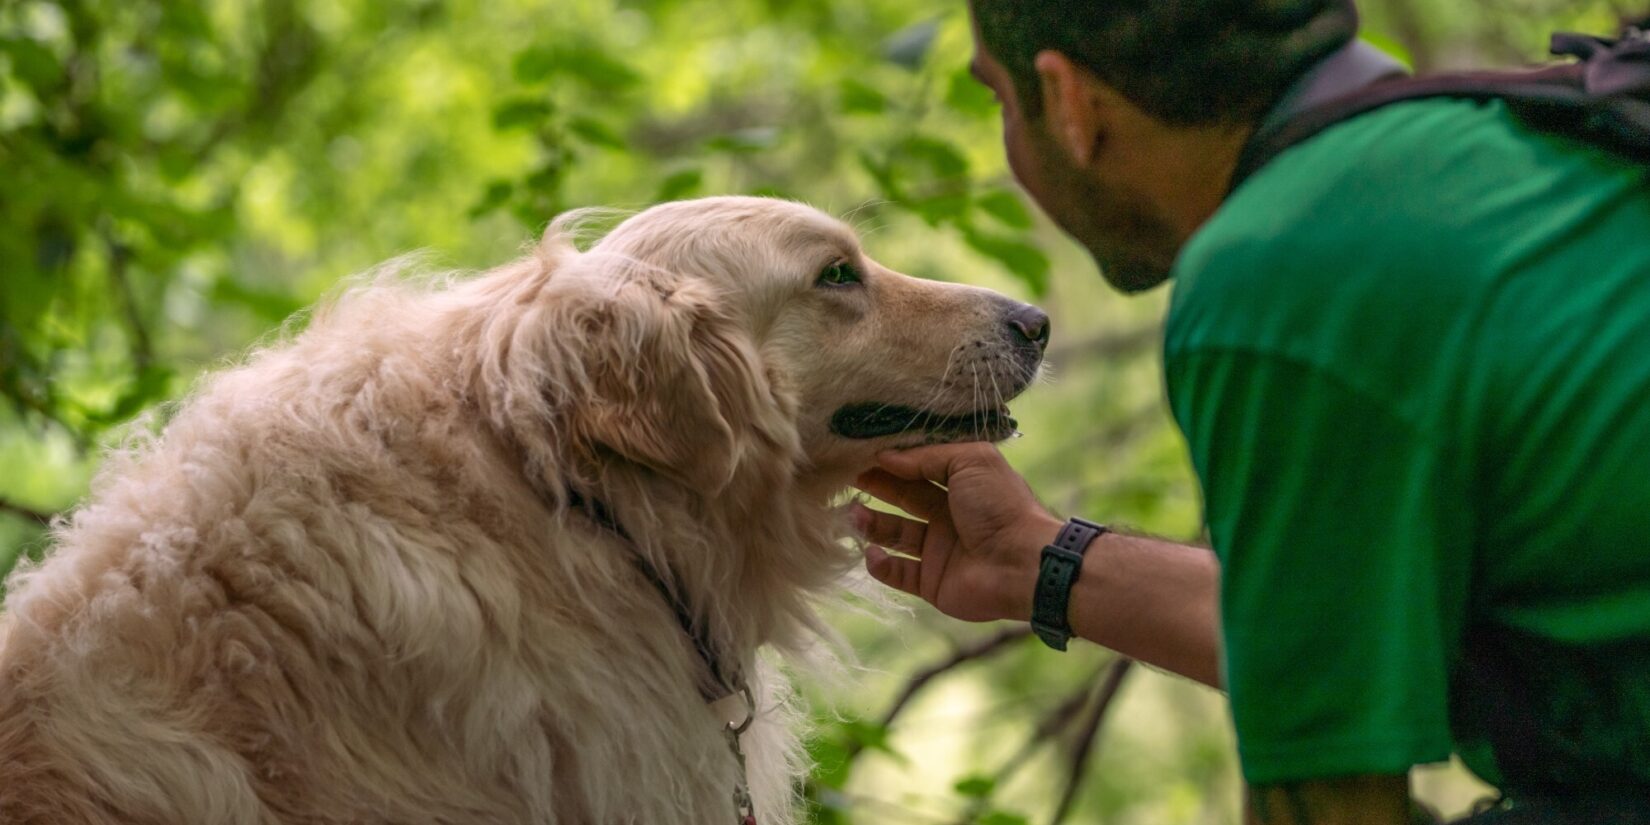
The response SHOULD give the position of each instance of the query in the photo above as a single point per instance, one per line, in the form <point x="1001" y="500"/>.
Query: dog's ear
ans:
<point x="675" y="382"/>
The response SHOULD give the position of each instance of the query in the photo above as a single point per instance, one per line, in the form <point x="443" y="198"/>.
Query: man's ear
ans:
<point x="675" y="383"/>
<point x="1075" y="105"/>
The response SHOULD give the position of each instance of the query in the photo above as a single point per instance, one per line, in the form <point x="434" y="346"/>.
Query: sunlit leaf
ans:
<point x="941" y="157"/>
<point x="521" y="113"/>
<point x="967" y="95"/>
<point x="584" y="62"/>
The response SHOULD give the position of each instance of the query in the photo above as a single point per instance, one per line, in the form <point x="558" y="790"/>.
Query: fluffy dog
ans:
<point x="480" y="551"/>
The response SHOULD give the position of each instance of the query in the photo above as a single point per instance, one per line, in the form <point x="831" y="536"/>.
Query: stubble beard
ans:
<point x="1131" y="241"/>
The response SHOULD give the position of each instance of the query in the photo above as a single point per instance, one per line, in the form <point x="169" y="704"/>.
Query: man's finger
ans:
<point x="899" y="573"/>
<point x="935" y="463"/>
<point x="919" y="498"/>
<point x="902" y="534"/>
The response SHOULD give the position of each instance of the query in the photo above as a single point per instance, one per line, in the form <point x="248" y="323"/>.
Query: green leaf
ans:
<point x="829" y="757"/>
<point x="965" y="94"/>
<point x="881" y="172"/>
<point x="680" y="185"/>
<point x="1005" y="206"/>
<point x="1391" y="46"/>
<point x="596" y="133"/>
<point x="584" y="62"/>
<point x="521" y="113"/>
<point x="943" y="158"/>
<point x="872" y="736"/>
<point x="1024" y="261"/>
<point x="857" y="97"/>
<point x="497" y="193"/>
<point x="975" y="787"/>
<point x="944" y="207"/>
<point x="150" y="384"/>
<point x="33" y="63"/>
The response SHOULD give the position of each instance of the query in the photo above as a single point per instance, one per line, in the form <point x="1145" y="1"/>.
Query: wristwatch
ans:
<point x="1062" y="562"/>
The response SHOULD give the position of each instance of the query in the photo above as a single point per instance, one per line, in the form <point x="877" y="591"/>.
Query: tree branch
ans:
<point x="962" y="655"/>
<point x="1083" y="748"/>
<point x="40" y="517"/>
<point x="1056" y="718"/>
<point x="143" y="353"/>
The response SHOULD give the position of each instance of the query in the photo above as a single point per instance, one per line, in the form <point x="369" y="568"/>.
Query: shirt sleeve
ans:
<point x="1343" y="547"/>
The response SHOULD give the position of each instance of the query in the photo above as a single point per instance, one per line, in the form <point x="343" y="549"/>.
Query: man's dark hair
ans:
<point x="1186" y="62"/>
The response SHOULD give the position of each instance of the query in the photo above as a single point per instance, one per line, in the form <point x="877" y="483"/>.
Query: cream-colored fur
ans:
<point x="343" y="585"/>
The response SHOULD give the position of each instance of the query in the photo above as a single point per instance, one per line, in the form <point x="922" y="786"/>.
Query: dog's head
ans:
<point x="702" y="335"/>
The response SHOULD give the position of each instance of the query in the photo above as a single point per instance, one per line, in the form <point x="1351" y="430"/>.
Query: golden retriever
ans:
<point x="482" y="551"/>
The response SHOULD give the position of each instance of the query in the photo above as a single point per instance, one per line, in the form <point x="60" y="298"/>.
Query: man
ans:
<point x="1411" y="357"/>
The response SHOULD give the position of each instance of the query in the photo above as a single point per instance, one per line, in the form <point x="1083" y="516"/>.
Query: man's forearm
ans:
<point x="1151" y="600"/>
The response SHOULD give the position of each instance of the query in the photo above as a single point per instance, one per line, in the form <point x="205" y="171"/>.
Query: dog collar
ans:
<point x="724" y="689"/>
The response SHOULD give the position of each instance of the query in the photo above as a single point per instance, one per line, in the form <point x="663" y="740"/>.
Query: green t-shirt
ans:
<point x="1411" y="358"/>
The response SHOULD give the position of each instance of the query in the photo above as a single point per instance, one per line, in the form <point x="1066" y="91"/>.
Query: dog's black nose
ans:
<point x="1029" y="325"/>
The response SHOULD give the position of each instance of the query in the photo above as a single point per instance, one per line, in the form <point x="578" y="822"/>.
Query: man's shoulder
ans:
<point x="1384" y="177"/>
<point x="1385" y="217"/>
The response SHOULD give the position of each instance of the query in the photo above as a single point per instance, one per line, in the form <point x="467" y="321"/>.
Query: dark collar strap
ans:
<point x="715" y="681"/>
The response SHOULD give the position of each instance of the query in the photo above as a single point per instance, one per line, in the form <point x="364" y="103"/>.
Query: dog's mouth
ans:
<point x="872" y="420"/>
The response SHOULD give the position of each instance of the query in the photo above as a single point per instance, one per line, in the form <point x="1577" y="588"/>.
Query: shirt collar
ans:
<point x="1350" y="68"/>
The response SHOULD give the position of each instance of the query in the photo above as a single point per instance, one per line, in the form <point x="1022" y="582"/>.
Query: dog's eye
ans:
<point x="840" y="273"/>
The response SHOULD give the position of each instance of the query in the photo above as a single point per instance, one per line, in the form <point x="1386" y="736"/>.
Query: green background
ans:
<point x="178" y="179"/>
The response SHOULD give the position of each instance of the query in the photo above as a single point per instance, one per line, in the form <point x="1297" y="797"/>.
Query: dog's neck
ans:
<point x="720" y="675"/>
<point x="752" y="561"/>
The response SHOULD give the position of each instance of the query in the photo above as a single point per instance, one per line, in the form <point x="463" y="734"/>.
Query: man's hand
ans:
<point x="977" y="549"/>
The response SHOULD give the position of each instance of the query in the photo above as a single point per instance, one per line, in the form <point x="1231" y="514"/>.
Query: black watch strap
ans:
<point x="1062" y="562"/>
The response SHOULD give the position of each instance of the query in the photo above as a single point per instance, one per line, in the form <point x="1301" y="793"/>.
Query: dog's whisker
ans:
<point x="925" y="410"/>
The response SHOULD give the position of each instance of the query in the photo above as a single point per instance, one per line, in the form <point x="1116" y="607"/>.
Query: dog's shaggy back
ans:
<point x="344" y="585"/>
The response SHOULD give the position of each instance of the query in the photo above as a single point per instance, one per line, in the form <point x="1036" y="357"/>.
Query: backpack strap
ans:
<point x="1604" y="100"/>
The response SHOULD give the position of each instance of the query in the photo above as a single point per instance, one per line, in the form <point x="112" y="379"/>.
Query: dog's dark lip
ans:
<point x="873" y="420"/>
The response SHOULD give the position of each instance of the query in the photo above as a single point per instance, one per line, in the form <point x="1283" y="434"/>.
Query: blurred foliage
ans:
<point x="178" y="178"/>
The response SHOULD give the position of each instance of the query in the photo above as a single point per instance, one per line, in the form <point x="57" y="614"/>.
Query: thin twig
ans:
<point x="40" y="517"/>
<point x="963" y="654"/>
<point x="143" y="353"/>
<point x="1083" y="748"/>
<point x="1055" y="719"/>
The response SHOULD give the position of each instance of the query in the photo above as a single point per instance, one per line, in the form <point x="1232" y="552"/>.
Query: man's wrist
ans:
<point x="1040" y="531"/>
